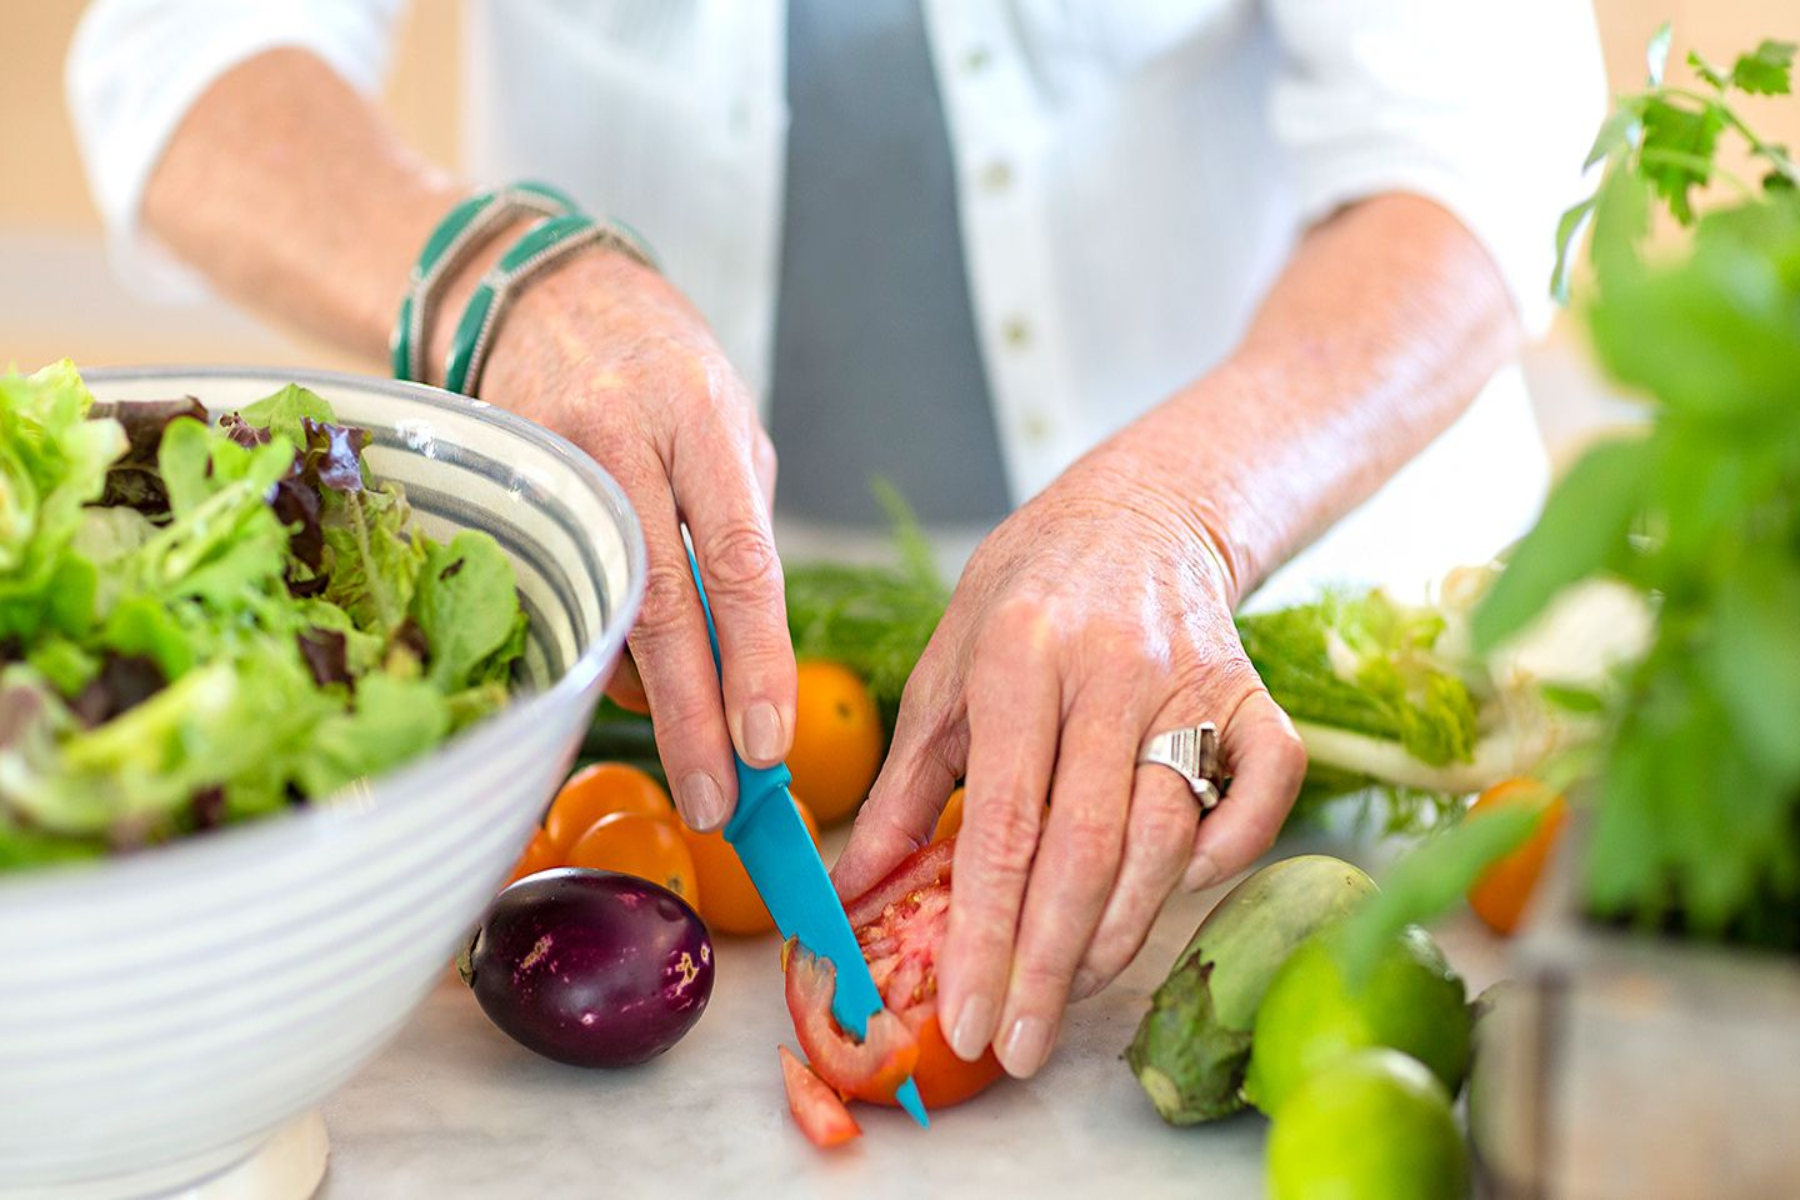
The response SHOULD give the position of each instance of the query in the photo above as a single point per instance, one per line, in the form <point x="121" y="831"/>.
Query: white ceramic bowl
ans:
<point x="161" y="1014"/>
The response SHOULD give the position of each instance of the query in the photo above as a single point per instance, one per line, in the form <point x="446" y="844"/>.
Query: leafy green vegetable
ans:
<point x="464" y="605"/>
<point x="204" y="625"/>
<point x="1366" y="664"/>
<point x="52" y="463"/>
<point x="1696" y="778"/>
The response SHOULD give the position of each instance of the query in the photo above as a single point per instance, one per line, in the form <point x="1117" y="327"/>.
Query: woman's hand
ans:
<point x="607" y="353"/>
<point x="1095" y="616"/>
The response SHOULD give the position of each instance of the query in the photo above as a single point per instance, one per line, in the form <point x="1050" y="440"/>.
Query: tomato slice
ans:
<point x="817" y="1109"/>
<point x="871" y="1069"/>
<point x="900" y="923"/>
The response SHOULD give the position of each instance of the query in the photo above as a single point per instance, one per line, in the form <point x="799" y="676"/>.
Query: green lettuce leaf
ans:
<point x="466" y="607"/>
<point x="53" y="461"/>
<point x="374" y="557"/>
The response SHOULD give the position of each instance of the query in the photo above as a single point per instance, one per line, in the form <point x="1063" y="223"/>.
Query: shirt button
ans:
<point x="976" y="59"/>
<point x="1035" y="426"/>
<point x="997" y="176"/>
<point x="1017" y="332"/>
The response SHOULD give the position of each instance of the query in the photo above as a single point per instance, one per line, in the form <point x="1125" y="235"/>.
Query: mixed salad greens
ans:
<point x="201" y="624"/>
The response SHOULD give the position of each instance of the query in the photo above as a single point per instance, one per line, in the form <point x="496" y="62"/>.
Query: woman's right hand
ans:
<point x="606" y="352"/>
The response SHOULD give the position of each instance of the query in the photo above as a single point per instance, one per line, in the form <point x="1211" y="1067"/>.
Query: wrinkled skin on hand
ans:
<point x="609" y="354"/>
<point x="1090" y="619"/>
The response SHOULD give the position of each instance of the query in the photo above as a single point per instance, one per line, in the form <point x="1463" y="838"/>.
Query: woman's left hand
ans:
<point x="1092" y="618"/>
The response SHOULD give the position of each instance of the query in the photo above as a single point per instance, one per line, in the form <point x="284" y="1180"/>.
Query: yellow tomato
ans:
<point x="645" y="846"/>
<point x="838" y="740"/>
<point x="600" y="791"/>
<point x="729" y="902"/>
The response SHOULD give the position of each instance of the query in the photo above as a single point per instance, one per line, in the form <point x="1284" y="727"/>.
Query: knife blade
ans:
<point x="779" y="856"/>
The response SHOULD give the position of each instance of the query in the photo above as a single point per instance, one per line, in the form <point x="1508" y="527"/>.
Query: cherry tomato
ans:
<point x="540" y="855"/>
<point x="949" y="822"/>
<point x="647" y="847"/>
<point x="1502" y="894"/>
<point x="818" y="1110"/>
<point x="599" y="791"/>
<point x="729" y="902"/>
<point x="838" y="740"/>
<point x="900" y="923"/>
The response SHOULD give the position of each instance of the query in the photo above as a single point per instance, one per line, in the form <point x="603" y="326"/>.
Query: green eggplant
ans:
<point x="1193" y="1046"/>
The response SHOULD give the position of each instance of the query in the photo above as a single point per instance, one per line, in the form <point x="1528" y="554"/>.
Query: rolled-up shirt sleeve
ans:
<point x="135" y="67"/>
<point x="1486" y="108"/>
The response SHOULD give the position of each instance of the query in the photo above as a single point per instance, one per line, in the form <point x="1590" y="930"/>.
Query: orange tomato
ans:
<point x="950" y="820"/>
<point x="838" y="740"/>
<point x="729" y="902"/>
<point x="645" y="846"/>
<point x="600" y="791"/>
<point x="540" y="855"/>
<point x="1504" y="891"/>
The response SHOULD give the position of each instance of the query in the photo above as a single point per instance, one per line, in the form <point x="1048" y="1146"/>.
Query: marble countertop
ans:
<point x="453" y="1108"/>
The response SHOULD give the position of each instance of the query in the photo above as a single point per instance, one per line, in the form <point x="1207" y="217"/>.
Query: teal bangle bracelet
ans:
<point x="545" y="243"/>
<point x="463" y="230"/>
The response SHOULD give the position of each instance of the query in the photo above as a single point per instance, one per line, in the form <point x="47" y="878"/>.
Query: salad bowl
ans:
<point x="162" y="1013"/>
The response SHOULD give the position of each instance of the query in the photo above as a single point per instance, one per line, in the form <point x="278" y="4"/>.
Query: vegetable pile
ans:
<point x="1308" y="993"/>
<point x="201" y="625"/>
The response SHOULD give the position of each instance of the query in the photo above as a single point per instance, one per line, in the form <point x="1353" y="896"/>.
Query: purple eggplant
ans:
<point x="590" y="967"/>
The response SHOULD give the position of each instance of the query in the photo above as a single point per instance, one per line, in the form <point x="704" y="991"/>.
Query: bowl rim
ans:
<point x="415" y="781"/>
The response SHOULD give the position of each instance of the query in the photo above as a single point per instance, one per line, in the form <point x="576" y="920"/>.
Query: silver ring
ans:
<point x="1193" y="754"/>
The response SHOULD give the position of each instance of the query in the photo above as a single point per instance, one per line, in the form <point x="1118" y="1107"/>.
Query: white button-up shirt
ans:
<point x="1131" y="176"/>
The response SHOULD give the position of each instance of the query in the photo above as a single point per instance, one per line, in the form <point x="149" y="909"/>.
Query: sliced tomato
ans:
<point x="871" y="1069"/>
<point x="921" y="870"/>
<point x="817" y="1109"/>
<point x="900" y="923"/>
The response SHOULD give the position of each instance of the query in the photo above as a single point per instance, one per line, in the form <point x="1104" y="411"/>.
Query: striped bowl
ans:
<point x="161" y="1014"/>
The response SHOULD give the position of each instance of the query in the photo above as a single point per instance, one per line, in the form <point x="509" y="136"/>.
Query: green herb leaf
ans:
<point x="1766" y="70"/>
<point x="1618" y="133"/>
<point x="1656" y="54"/>
<point x="1755" y="661"/>
<point x="1677" y="151"/>
<point x="1582" y="531"/>
<point x="1435" y="876"/>
<point x="1568" y="234"/>
<point x="1621" y="219"/>
<point x="1713" y="335"/>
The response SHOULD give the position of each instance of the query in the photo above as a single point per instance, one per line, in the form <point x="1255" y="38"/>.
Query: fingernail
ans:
<point x="1086" y="984"/>
<point x="974" y="1026"/>
<point x="701" y="802"/>
<point x="1203" y="872"/>
<point x="1026" y="1047"/>
<point x="762" y="733"/>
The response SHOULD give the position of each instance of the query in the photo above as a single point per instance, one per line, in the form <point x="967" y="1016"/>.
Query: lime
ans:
<point x="1374" y="1124"/>
<point x="1412" y="1002"/>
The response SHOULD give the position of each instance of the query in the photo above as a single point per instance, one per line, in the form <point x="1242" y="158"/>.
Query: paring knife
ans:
<point x="779" y="855"/>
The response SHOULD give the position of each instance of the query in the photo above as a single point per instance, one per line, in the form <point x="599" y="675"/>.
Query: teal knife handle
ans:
<point x="755" y="784"/>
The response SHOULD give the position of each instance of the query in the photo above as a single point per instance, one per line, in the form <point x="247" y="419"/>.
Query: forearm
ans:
<point x="1380" y="331"/>
<point x="287" y="189"/>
